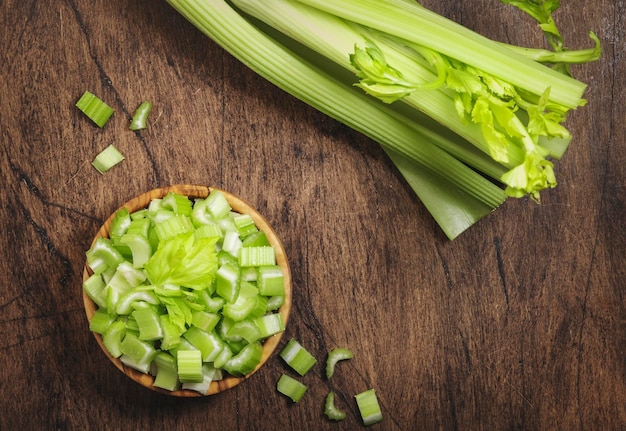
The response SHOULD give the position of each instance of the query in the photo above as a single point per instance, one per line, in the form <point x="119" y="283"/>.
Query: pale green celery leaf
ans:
<point x="497" y="141"/>
<point x="179" y="311"/>
<point x="378" y="78"/>
<point x="463" y="81"/>
<point x="183" y="260"/>
<point x="545" y="123"/>
<point x="387" y="93"/>
<point x="530" y="177"/>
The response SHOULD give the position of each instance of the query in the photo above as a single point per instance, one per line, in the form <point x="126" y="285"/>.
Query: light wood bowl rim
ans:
<point x="238" y="205"/>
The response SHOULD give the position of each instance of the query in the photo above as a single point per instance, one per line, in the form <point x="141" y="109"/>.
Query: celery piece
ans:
<point x="100" y="321"/>
<point x="297" y="357"/>
<point x="94" y="288"/>
<point x="334" y="356"/>
<point x="231" y="243"/>
<point x="255" y="239"/>
<point x="132" y="275"/>
<point x="227" y="282"/>
<point x="208" y="343"/>
<point x="245" y="224"/>
<point x="275" y="302"/>
<point x="140" y="248"/>
<point x="148" y="322"/>
<point x="205" y="320"/>
<point x="244" y="304"/>
<point x="173" y="226"/>
<point x="171" y="333"/>
<point x="369" y="408"/>
<point x="209" y="373"/>
<point x="115" y="288"/>
<point x="223" y="356"/>
<point x="94" y="108"/>
<point x="211" y="304"/>
<point x="125" y="302"/>
<point x="107" y="158"/>
<point x="136" y="353"/>
<point x="113" y="336"/>
<point x="291" y="388"/>
<point x="189" y="366"/>
<point x="140" y="116"/>
<point x="120" y="223"/>
<point x="270" y="324"/>
<point x="331" y="410"/>
<point x="257" y="256"/>
<point x="270" y="280"/>
<point x="103" y="252"/>
<point x="217" y="204"/>
<point x="245" y="329"/>
<point x="178" y="203"/>
<point x="209" y="230"/>
<point x="246" y="360"/>
<point x="166" y="375"/>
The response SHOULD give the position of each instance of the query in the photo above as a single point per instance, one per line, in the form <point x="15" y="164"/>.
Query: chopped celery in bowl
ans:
<point x="187" y="290"/>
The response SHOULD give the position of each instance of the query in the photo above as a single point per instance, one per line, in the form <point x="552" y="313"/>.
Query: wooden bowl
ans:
<point x="238" y="205"/>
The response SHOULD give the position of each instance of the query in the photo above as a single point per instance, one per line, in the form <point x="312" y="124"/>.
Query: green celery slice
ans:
<point x="94" y="288"/>
<point x="100" y="321"/>
<point x="297" y="357"/>
<point x="270" y="324"/>
<point x="291" y="388"/>
<point x="334" y="356"/>
<point x="148" y="322"/>
<point x="136" y="353"/>
<point x="257" y="256"/>
<point x="245" y="360"/>
<point x="112" y="338"/>
<point x="331" y="410"/>
<point x="139" y="120"/>
<point x="166" y="375"/>
<point x="189" y="366"/>
<point x="270" y="280"/>
<point x="94" y="108"/>
<point x="107" y="158"/>
<point x="208" y="343"/>
<point x="369" y="408"/>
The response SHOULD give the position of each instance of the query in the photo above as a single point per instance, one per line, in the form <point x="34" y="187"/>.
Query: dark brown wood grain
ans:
<point x="520" y="323"/>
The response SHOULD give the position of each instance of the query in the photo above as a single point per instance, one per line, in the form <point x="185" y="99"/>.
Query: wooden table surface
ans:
<point x="519" y="323"/>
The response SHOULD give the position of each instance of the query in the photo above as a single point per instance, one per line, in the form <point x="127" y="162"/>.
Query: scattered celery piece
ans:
<point x="291" y="388"/>
<point x="331" y="410"/>
<point x="140" y="116"/>
<point x="369" y="408"/>
<point x="107" y="158"/>
<point x="297" y="357"/>
<point x="94" y="108"/>
<point x="334" y="356"/>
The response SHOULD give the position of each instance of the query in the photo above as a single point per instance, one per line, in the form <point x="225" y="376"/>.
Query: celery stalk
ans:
<point x="422" y="26"/>
<point x="264" y="55"/>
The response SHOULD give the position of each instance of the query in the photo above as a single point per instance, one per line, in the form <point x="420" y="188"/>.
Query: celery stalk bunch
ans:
<point x="468" y="121"/>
